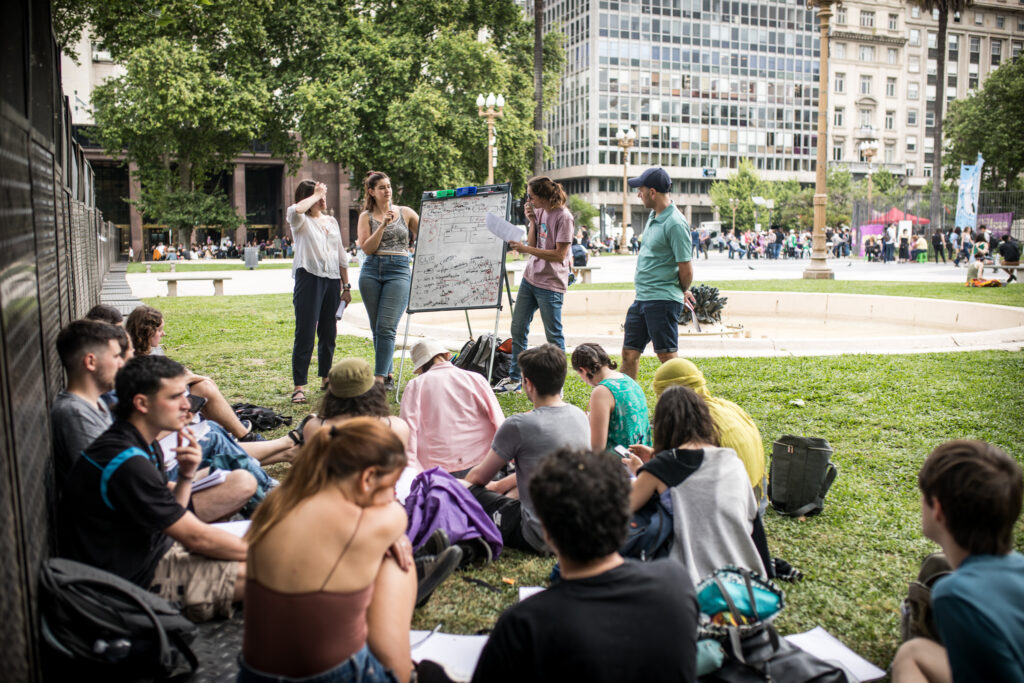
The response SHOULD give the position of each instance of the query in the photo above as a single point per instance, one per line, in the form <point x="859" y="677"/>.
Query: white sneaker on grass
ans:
<point x="507" y="385"/>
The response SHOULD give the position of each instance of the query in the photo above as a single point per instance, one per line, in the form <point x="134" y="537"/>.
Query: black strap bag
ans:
<point x="801" y="474"/>
<point x="262" y="419"/>
<point x="475" y="356"/>
<point x="753" y="650"/>
<point x="649" y="535"/>
<point x="99" y="626"/>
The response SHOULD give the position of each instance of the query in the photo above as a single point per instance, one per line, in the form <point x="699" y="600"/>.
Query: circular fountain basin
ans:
<point x="754" y="324"/>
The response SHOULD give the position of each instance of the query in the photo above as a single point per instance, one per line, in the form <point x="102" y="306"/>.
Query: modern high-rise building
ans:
<point x="705" y="83"/>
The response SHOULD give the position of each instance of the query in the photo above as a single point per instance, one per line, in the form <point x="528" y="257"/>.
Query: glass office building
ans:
<point x="704" y="83"/>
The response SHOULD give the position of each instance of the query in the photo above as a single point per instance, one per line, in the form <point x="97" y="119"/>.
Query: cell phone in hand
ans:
<point x="622" y="452"/>
<point x="195" y="403"/>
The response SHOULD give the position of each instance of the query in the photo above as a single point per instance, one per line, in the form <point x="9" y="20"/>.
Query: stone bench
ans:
<point x="173" y="280"/>
<point x="585" y="272"/>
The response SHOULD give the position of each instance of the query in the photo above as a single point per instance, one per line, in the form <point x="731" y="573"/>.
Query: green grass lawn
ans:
<point x="882" y="415"/>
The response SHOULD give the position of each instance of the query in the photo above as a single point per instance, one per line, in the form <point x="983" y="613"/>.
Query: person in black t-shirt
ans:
<point x="1009" y="253"/>
<point x="584" y="627"/>
<point x="119" y="513"/>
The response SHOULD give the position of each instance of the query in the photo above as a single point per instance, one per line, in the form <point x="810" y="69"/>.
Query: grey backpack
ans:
<point x="801" y="474"/>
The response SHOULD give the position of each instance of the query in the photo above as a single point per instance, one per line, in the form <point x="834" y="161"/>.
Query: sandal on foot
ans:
<point x="298" y="396"/>
<point x="296" y="434"/>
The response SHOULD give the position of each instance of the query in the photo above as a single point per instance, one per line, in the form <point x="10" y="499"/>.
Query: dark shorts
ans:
<point x="507" y="515"/>
<point x="656" y="322"/>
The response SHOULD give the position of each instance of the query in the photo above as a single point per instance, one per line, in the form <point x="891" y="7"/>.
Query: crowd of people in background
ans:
<point x="225" y="248"/>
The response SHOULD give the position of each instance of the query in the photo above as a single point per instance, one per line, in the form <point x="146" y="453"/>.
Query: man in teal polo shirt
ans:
<point x="663" y="274"/>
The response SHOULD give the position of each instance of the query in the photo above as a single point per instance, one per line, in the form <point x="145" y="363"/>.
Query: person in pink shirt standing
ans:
<point x="451" y="412"/>
<point x="546" y="277"/>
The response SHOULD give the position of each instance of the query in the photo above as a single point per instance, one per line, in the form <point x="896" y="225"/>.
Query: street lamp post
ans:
<point x="494" y="110"/>
<point x="869" y="148"/>
<point x="625" y="139"/>
<point x="734" y="203"/>
<point x="818" y="268"/>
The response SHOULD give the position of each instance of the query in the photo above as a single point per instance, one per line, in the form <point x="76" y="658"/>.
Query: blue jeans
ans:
<point x="362" y="667"/>
<point x="528" y="300"/>
<point x="384" y="283"/>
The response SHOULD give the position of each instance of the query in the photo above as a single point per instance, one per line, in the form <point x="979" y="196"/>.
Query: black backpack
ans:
<point x="476" y="355"/>
<point x="262" y="419"/>
<point x="99" y="626"/>
<point x="649" y="535"/>
<point x="801" y="474"/>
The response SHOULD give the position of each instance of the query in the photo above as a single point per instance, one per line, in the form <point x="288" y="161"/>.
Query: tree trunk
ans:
<point x="538" y="86"/>
<point x="940" y="105"/>
<point x="185" y="184"/>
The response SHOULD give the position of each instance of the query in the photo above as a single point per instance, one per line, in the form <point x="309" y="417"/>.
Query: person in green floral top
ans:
<point x="618" y="407"/>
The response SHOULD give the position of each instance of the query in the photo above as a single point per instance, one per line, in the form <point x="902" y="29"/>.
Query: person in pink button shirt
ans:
<point x="452" y="413"/>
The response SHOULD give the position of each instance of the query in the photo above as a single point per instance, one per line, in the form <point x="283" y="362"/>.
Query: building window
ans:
<point x="840" y="82"/>
<point x="915" y="37"/>
<point x="929" y="145"/>
<point x="837" y="117"/>
<point x="997" y="51"/>
<point x="841" y="15"/>
<point x="865" y="85"/>
<point x="837" y="151"/>
<point x="929" y="118"/>
<point x="867" y="53"/>
<point x="1000" y="21"/>
<point x="890" y="87"/>
<point x="975" y="44"/>
<point x="911" y="143"/>
<point x="1016" y="48"/>
<point x="926" y="170"/>
<point x="915" y="12"/>
<point x="912" y="117"/>
<point x="890" y="120"/>
<point x="914" y="65"/>
<point x="867" y="19"/>
<point x="935" y="14"/>
<point x="979" y="19"/>
<point x="933" y="67"/>
<point x="865" y="118"/>
<point x="933" y="40"/>
<point x="894" y="22"/>
<point x="910" y="169"/>
<point x="892" y="55"/>
<point x="890" y="153"/>
<point x="913" y="89"/>
<point x="839" y="50"/>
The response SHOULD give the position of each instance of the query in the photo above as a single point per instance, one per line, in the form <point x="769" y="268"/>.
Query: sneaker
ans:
<point x="475" y="551"/>
<point x="389" y="383"/>
<point x="435" y="545"/>
<point x="432" y="570"/>
<point x="507" y="385"/>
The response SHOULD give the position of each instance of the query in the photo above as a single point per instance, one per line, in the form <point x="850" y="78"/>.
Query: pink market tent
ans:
<point x="894" y="215"/>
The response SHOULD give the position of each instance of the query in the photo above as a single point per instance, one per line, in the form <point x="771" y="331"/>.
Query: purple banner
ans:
<point x="998" y="223"/>
<point x="869" y="230"/>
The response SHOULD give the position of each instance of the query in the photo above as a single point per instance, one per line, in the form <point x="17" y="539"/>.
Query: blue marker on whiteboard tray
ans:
<point x="464" y="191"/>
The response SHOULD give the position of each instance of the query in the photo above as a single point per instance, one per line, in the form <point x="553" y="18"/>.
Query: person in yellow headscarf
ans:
<point x="736" y="429"/>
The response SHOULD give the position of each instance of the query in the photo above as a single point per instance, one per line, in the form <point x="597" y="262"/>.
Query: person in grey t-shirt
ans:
<point x="92" y="352"/>
<point x="526" y="438"/>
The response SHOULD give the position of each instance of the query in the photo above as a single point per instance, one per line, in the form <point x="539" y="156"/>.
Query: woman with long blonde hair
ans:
<point x="330" y="586"/>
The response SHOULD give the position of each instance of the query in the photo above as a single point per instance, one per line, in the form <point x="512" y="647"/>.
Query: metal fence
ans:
<point x="995" y="209"/>
<point x="54" y="251"/>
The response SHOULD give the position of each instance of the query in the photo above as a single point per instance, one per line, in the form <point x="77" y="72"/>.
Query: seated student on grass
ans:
<point x="714" y="514"/>
<point x="525" y="439"/>
<point x="618" y="406"/>
<point x="970" y="503"/>
<point x="116" y="511"/>
<point x="330" y="589"/>
<point x="91" y="353"/>
<point x="606" y="619"/>
<point x="145" y="326"/>
<point x="352" y="392"/>
<point x="452" y="413"/>
<point x="735" y="428"/>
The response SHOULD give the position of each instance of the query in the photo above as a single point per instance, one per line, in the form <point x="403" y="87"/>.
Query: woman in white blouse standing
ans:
<point x="320" y="270"/>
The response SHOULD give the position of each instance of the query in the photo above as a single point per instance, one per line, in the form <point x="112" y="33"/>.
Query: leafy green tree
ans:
<point x="583" y="212"/>
<point x="743" y="185"/>
<point x="990" y="121"/>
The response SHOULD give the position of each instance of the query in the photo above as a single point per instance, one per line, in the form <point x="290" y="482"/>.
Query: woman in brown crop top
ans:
<point x="330" y="586"/>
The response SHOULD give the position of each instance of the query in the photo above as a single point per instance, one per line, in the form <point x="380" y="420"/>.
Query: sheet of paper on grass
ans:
<point x="457" y="654"/>
<point x="237" y="528"/>
<point x="824" y="645"/>
<point x="504" y="230"/>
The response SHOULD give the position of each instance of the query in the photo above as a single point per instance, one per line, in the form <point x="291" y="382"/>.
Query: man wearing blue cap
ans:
<point x="663" y="274"/>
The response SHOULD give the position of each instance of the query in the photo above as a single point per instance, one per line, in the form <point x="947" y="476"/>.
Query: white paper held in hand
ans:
<point x="341" y="310"/>
<point x="504" y="230"/>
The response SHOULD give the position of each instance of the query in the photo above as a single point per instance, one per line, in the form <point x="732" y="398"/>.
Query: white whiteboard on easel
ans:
<point x="458" y="262"/>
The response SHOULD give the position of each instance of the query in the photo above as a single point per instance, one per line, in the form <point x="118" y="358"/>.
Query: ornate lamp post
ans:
<point x="869" y="148"/>
<point x="625" y="139"/>
<point x="494" y="110"/>
<point x="818" y="268"/>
